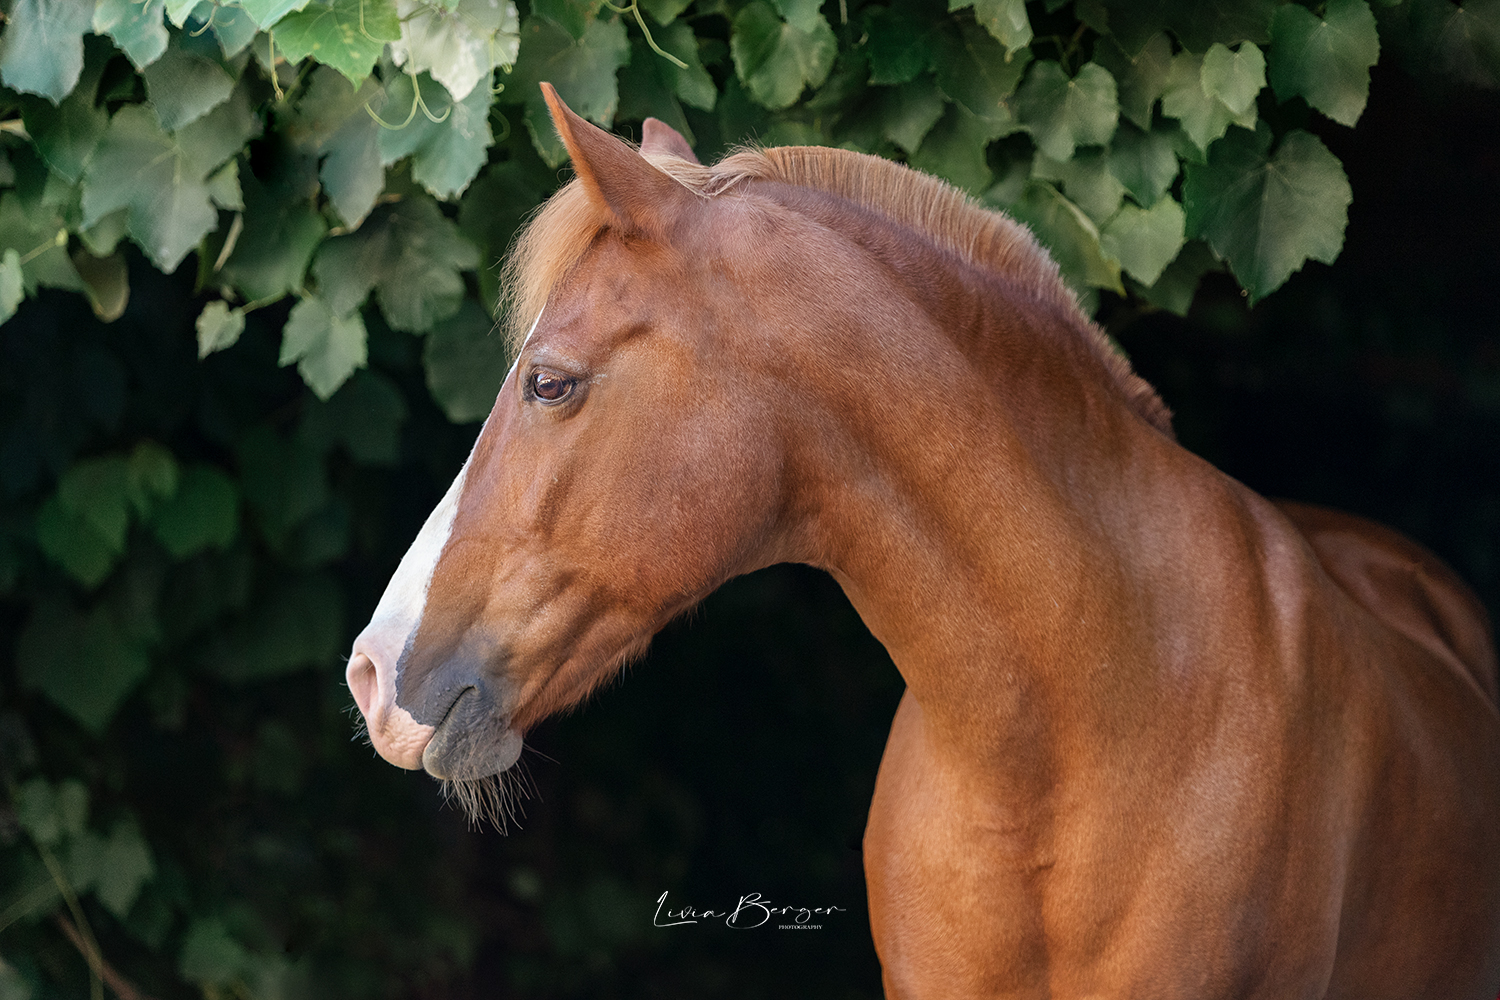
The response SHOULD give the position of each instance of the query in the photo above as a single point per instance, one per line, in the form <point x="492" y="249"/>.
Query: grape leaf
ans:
<point x="1204" y="117"/>
<point x="266" y="13"/>
<point x="973" y="71"/>
<point x="447" y="154"/>
<point x="1326" y="61"/>
<point x="460" y="44"/>
<point x="224" y="187"/>
<point x="67" y="133"/>
<point x="1087" y="181"/>
<point x="665" y="11"/>
<point x="234" y="29"/>
<point x="1145" y="240"/>
<point x="1006" y="20"/>
<point x="644" y="94"/>
<point x="1062" y="113"/>
<point x="326" y="346"/>
<point x="137" y="26"/>
<point x="776" y="60"/>
<point x="330" y="121"/>
<point x="178" y="11"/>
<point x="184" y="86"/>
<point x="139" y="167"/>
<point x="40" y="239"/>
<point x="211" y="957"/>
<point x="493" y="209"/>
<point x="1175" y="288"/>
<point x="1070" y="236"/>
<point x="693" y="85"/>
<point x="1141" y="78"/>
<point x="107" y="282"/>
<point x="409" y="254"/>
<point x="1234" y="77"/>
<point x="897" y="42"/>
<point x="582" y="70"/>
<point x="12" y="286"/>
<point x="572" y="15"/>
<point x="1463" y="42"/>
<point x="348" y="35"/>
<point x="908" y="113"/>
<point x="1144" y="162"/>
<point x="364" y="417"/>
<point x="1267" y="215"/>
<point x="283" y="480"/>
<point x="204" y="512"/>
<point x="41" y="49"/>
<point x="218" y="327"/>
<point x="126" y="866"/>
<point x="466" y="361"/>
<point x="954" y="149"/>
<point x="281" y="232"/>
<point x="86" y="664"/>
<point x="300" y="625"/>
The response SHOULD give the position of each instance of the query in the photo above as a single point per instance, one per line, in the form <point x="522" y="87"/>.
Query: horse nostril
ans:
<point x="361" y="678"/>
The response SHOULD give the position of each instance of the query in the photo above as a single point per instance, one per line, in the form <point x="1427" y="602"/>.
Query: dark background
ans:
<point x="739" y="755"/>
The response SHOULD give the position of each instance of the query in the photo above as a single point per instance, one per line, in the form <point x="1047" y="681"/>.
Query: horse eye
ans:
<point x="550" y="387"/>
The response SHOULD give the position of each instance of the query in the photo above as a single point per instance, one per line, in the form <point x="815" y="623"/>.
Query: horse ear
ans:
<point x="617" y="177"/>
<point x="659" y="137"/>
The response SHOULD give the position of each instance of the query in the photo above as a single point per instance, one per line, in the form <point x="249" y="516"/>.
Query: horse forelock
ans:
<point x="558" y="236"/>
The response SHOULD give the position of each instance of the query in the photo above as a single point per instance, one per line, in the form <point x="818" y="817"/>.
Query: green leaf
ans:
<point x="973" y="71"/>
<point x="1174" y="290"/>
<point x="152" y="477"/>
<point x="909" y="112"/>
<point x="409" y="254"/>
<point x="1070" y="236"/>
<point x="211" y="957"/>
<point x="1063" y="113"/>
<point x="84" y="663"/>
<point x="12" y="286"/>
<point x="326" y="346"/>
<point x="224" y="187"/>
<point x="1326" y="61"/>
<point x="281" y="232"/>
<point x="777" y="60"/>
<point x="266" y="13"/>
<point x="1268" y="215"/>
<point x="178" y="11"/>
<point x="41" y="49"/>
<point x="299" y="626"/>
<point x="364" y="416"/>
<point x="1145" y="163"/>
<point x="40" y="238"/>
<point x="466" y="360"/>
<point x="49" y="815"/>
<point x="348" y="35"/>
<point x="284" y="482"/>
<point x="203" y="513"/>
<point x="460" y="44"/>
<point x="1087" y="181"/>
<point x="1196" y="23"/>
<point x="1463" y="42"/>
<point x="137" y="26"/>
<point x="1204" y="117"/>
<point x="1143" y="240"/>
<point x="492" y="211"/>
<point x="1141" y="79"/>
<point x="571" y="15"/>
<point x="1235" y="77"/>
<point x="97" y="490"/>
<point x="583" y="71"/>
<point x="897" y="43"/>
<point x="664" y="12"/>
<point x="220" y="134"/>
<point x="140" y="168"/>
<point x="218" y="327"/>
<point x="801" y="14"/>
<point x="234" y="29"/>
<point x="106" y="281"/>
<point x="446" y="155"/>
<point x="184" y="86"/>
<point x="67" y="134"/>
<point x="644" y="94"/>
<point x="954" y="149"/>
<point x="692" y="85"/>
<point x="125" y="867"/>
<point x="331" y="122"/>
<point x="1005" y="19"/>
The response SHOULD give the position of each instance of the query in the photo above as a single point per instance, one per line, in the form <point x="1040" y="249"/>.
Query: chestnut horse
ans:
<point x="1160" y="738"/>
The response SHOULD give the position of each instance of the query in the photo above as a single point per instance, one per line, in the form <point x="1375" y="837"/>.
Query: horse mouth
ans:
<point x="473" y="740"/>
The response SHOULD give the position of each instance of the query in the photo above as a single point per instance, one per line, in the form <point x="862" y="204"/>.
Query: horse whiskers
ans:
<point x="495" y="799"/>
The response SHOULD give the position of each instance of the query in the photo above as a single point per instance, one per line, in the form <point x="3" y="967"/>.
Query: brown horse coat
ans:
<point x="1161" y="737"/>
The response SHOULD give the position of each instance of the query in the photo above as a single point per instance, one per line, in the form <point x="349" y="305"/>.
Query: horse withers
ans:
<point x="1160" y="738"/>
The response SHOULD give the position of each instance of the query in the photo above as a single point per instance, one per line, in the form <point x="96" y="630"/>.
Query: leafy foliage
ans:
<point x="188" y="531"/>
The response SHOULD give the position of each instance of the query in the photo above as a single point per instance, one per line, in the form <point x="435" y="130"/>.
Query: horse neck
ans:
<point x="1008" y="535"/>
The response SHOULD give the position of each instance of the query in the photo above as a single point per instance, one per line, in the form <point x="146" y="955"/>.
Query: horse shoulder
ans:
<point x="1405" y="586"/>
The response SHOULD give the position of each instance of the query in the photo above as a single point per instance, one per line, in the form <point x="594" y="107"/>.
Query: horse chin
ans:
<point x="472" y="742"/>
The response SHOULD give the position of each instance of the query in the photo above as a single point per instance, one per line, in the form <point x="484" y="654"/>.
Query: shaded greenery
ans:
<point x="247" y="336"/>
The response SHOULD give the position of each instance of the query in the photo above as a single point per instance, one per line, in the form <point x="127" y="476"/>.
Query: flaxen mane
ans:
<point x="560" y="233"/>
